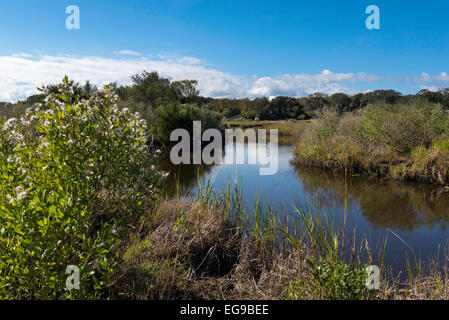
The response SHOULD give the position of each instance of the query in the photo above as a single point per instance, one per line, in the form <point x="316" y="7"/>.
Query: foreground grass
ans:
<point x="208" y="248"/>
<point x="195" y="251"/>
<point x="408" y="142"/>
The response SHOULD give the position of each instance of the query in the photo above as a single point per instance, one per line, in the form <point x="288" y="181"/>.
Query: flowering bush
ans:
<point x="75" y="177"/>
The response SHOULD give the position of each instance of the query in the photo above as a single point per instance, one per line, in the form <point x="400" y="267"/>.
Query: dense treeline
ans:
<point x="281" y="108"/>
<point x="168" y="104"/>
<point x="149" y="91"/>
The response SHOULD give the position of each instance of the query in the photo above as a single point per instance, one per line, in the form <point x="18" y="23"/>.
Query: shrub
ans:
<point x="75" y="178"/>
<point x="327" y="125"/>
<point x="175" y="116"/>
<point x="400" y="141"/>
<point x="333" y="280"/>
<point x="403" y="127"/>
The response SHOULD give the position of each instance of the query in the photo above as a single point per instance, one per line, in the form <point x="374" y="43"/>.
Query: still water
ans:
<point x="413" y="217"/>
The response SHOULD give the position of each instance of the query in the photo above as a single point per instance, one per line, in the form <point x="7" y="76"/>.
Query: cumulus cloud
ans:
<point x="22" y="54"/>
<point x="430" y="88"/>
<point x="22" y="73"/>
<point x="127" y="53"/>
<point x="189" y="60"/>
<point x="305" y="84"/>
<point x="442" y="77"/>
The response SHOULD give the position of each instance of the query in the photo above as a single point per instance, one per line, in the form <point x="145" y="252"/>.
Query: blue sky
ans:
<point x="234" y="48"/>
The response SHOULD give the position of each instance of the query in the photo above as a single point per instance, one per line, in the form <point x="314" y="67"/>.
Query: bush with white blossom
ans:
<point x="76" y="177"/>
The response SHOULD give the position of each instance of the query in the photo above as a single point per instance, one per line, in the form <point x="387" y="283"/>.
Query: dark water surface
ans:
<point x="413" y="217"/>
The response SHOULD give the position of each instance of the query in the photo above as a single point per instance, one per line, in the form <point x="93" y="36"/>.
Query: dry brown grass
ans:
<point x="191" y="250"/>
<point x="194" y="252"/>
<point x="185" y="241"/>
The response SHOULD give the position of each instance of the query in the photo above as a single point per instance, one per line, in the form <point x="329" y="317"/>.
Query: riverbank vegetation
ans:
<point x="78" y="187"/>
<point x="287" y="128"/>
<point x="404" y="142"/>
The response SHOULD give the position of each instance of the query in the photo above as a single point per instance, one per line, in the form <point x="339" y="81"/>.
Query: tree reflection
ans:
<point x="182" y="178"/>
<point x="384" y="203"/>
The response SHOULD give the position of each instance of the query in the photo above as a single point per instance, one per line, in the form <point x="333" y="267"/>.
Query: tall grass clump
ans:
<point x="336" y="262"/>
<point x="75" y="179"/>
<point x="405" y="142"/>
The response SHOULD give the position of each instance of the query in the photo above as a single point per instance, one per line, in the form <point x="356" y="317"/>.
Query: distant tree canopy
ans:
<point x="149" y="88"/>
<point x="283" y="108"/>
<point x="341" y="102"/>
<point x="149" y="91"/>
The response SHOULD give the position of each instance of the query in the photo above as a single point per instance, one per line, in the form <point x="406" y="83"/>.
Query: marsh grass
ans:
<point x="286" y="128"/>
<point x="404" y="142"/>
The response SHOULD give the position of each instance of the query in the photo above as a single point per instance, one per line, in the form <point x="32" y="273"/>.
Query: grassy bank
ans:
<point x="209" y="248"/>
<point x="405" y="142"/>
<point x="290" y="128"/>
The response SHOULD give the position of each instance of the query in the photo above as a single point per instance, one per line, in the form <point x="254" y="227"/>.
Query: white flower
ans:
<point x="28" y="112"/>
<point x="10" y="199"/>
<point x="165" y="174"/>
<point x="21" y="194"/>
<point x="15" y="136"/>
<point x="9" y="124"/>
<point x="25" y="122"/>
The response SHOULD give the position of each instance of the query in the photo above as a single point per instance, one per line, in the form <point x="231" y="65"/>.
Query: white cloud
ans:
<point x="305" y="84"/>
<point x="21" y="73"/>
<point x="430" y="88"/>
<point x="127" y="53"/>
<point x="189" y="60"/>
<point x="442" y="78"/>
<point x="21" y="54"/>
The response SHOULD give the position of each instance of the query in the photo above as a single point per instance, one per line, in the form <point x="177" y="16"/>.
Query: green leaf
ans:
<point x="63" y="97"/>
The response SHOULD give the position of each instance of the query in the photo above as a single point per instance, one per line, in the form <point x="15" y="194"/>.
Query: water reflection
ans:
<point x="385" y="204"/>
<point x="182" y="179"/>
